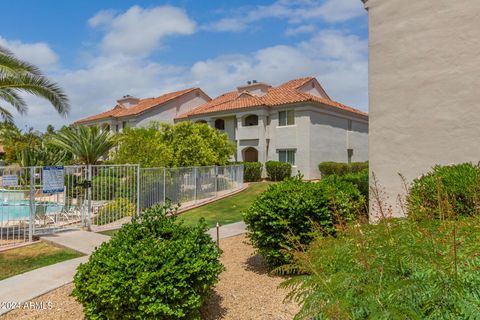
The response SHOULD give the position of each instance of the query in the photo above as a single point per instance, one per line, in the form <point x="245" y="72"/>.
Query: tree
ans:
<point x="180" y="145"/>
<point x="87" y="144"/>
<point x="143" y="146"/>
<point x="17" y="76"/>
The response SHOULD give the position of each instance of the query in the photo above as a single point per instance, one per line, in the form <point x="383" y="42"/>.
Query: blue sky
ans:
<point x="100" y="50"/>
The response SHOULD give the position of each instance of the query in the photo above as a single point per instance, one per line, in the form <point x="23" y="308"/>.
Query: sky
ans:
<point x="100" y="50"/>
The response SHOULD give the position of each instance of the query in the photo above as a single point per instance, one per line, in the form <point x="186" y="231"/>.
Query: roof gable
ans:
<point x="143" y="105"/>
<point x="289" y="92"/>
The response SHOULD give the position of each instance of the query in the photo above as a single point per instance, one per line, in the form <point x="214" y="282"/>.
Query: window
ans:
<point x="350" y="155"/>
<point x="287" y="156"/>
<point x="220" y="124"/>
<point x="286" y="118"/>
<point x="124" y="124"/>
<point x="116" y="128"/>
<point x="251" y="120"/>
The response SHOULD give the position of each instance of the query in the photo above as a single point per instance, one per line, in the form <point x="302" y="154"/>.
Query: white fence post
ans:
<point x="31" y="222"/>
<point x="164" y="185"/>
<point x="216" y="181"/>
<point x="195" y="169"/>
<point x="89" y="198"/>
<point x="138" y="190"/>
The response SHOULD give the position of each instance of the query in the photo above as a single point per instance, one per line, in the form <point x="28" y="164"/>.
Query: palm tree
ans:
<point x="17" y="76"/>
<point x="87" y="144"/>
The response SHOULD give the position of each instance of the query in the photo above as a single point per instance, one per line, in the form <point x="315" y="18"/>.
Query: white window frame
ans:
<point x="287" y="112"/>
<point x="290" y="155"/>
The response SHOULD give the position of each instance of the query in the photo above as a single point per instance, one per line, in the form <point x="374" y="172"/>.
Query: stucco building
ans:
<point x="295" y="122"/>
<point x="133" y="112"/>
<point x="424" y="69"/>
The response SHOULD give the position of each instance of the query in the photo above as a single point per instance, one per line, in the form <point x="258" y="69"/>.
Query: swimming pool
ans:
<point x="20" y="209"/>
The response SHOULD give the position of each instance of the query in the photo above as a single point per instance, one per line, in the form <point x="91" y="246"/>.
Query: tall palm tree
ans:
<point x="87" y="144"/>
<point x="17" y="76"/>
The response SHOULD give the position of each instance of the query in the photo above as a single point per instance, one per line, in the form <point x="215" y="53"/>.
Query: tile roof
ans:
<point x="143" y="105"/>
<point x="286" y="93"/>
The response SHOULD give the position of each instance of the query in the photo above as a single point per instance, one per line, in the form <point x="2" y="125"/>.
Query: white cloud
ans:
<point x="294" y="11"/>
<point x="38" y="53"/>
<point x="293" y="31"/>
<point x="139" y="31"/>
<point x="338" y="60"/>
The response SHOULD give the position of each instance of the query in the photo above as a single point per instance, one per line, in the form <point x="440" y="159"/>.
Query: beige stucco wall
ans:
<point x="424" y="87"/>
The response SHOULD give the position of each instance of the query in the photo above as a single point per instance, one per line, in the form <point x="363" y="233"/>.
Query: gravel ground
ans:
<point x="245" y="292"/>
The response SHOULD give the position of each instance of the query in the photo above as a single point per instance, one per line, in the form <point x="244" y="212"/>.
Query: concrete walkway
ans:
<point x="29" y="285"/>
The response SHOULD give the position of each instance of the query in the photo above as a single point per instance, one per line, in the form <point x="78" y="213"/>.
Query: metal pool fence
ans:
<point x="100" y="196"/>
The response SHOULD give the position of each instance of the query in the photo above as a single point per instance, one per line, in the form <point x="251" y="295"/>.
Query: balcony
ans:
<point x="248" y="133"/>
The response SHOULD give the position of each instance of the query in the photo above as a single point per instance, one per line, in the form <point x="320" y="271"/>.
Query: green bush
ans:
<point x="105" y="187"/>
<point x="340" y="168"/>
<point x="459" y="183"/>
<point x="395" y="269"/>
<point x="153" y="268"/>
<point x="360" y="180"/>
<point x="278" y="171"/>
<point x="114" y="210"/>
<point x="286" y="214"/>
<point x="252" y="171"/>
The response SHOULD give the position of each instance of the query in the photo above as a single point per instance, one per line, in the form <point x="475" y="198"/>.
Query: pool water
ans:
<point x="20" y="209"/>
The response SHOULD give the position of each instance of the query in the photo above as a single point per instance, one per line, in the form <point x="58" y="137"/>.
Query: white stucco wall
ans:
<point x="167" y="112"/>
<point x="318" y="135"/>
<point x="423" y="87"/>
<point x="330" y="139"/>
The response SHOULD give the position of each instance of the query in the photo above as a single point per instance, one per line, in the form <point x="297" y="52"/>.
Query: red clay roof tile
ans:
<point x="143" y="105"/>
<point x="286" y="93"/>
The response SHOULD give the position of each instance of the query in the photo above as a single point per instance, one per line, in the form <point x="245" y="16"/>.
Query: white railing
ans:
<point x="101" y="196"/>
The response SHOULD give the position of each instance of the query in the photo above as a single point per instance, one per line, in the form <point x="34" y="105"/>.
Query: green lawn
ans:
<point x="20" y="260"/>
<point x="109" y="232"/>
<point x="227" y="210"/>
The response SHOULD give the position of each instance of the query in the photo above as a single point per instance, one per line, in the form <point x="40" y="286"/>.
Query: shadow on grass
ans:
<point x="212" y="308"/>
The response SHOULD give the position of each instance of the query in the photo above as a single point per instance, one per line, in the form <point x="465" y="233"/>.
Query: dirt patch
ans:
<point x="55" y="305"/>
<point x="245" y="292"/>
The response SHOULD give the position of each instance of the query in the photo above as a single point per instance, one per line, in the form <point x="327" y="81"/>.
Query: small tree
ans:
<point x="143" y="146"/>
<point x="196" y="144"/>
<point x="87" y="144"/>
<point x="179" y="145"/>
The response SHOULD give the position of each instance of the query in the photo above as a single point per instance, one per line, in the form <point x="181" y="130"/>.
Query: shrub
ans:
<point x="396" y="269"/>
<point x="459" y="183"/>
<point x="153" y="268"/>
<point x="340" y="168"/>
<point x="360" y="180"/>
<point x="278" y="171"/>
<point x="286" y="214"/>
<point x="252" y="171"/>
<point x="329" y="168"/>
<point x="105" y="187"/>
<point x="114" y="210"/>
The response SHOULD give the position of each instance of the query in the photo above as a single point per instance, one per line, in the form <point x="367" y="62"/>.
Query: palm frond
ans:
<point x="88" y="144"/>
<point x="14" y="99"/>
<point x="9" y="64"/>
<point x="38" y="86"/>
<point x="6" y="115"/>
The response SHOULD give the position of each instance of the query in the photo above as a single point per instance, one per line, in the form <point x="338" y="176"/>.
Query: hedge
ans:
<point x="278" y="171"/>
<point x="340" y="168"/>
<point x="252" y="171"/>
<point x="153" y="268"/>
